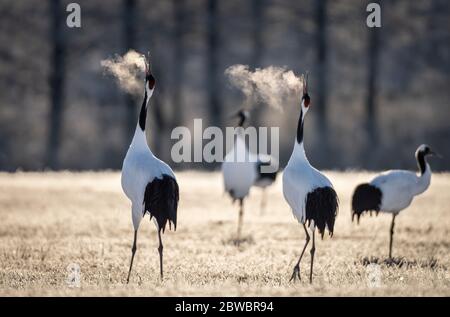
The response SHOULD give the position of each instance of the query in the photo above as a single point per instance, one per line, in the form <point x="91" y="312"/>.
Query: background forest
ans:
<point x="377" y="93"/>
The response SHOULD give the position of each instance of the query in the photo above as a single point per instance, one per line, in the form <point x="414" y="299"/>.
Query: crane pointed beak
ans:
<point x="146" y="65"/>
<point x="238" y="114"/>
<point x="233" y="116"/>
<point x="436" y="154"/>
<point x="305" y="83"/>
<point x="432" y="153"/>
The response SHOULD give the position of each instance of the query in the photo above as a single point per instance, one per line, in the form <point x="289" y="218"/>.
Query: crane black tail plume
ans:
<point x="366" y="198"/>
<point x="161" y="201"/>
<point x="322" y="206"/>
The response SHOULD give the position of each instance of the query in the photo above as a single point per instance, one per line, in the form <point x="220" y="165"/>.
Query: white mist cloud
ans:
<point x="271" y="85"/>
<point x="126" y="70"/>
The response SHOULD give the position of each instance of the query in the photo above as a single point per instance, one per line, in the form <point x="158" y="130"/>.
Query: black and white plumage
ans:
<point x="308" y="192"/>
<point x="239" y="170"/>
<point x="148" y="182"/>
<point x="393" y="191"/>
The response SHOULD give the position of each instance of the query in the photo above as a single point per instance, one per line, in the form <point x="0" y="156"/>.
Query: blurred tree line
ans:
<point x="376" y="93"/>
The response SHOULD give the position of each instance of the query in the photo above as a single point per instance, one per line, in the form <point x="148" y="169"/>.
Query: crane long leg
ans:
<point x="241" y="215"/>
<point x="313" y="250"/>
<point x="160" y="250"/>
<point x="392" y="236"/>
<point x="296" y="273"/>
<point x="133" y="251"/>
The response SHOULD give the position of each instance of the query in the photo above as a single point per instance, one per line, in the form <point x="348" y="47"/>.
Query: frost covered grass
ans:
<point x="50" y="220"/>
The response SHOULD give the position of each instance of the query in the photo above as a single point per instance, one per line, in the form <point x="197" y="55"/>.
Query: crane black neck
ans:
<point x="143" y="113"/>
<point x="241" y="120"/>
<point x="421" y="162"/>
<point x="300" y="128"/>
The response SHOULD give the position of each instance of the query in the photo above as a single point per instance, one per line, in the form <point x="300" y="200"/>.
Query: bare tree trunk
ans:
<point x="372" y="76"/>
<point x="129" y="42"/>
<point x="158" y="131"/>
<point x="213" y="64"/>
<point x="257" y="7"/>
<point x="178" y="38"/>
<point x="179" y="61"/>
<point x="322" y="86"/>
<point x="57" y="80"/>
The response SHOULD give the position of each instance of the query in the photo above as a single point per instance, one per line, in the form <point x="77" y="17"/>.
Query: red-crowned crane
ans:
<point x="239" y="170"/>
<point x="393" y="191"/>
<point x="148" y="182"/>
<point x="308" y="192"/>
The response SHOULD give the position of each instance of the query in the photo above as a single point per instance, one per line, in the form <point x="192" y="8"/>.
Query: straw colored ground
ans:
<point x="50" y="220"/>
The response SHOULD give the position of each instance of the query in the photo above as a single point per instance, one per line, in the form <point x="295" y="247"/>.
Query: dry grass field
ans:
<point x="50" y="220"/>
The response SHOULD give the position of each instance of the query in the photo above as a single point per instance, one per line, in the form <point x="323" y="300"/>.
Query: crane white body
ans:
<point x="400" y="187"/>
<point x="239" y="170"/>
<point x="299" y="179"/>
<point x="140" y="167"/>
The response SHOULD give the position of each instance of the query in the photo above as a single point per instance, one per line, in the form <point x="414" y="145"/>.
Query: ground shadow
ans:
<point x="245" y="240"/>
<point x="401" y="262"/>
